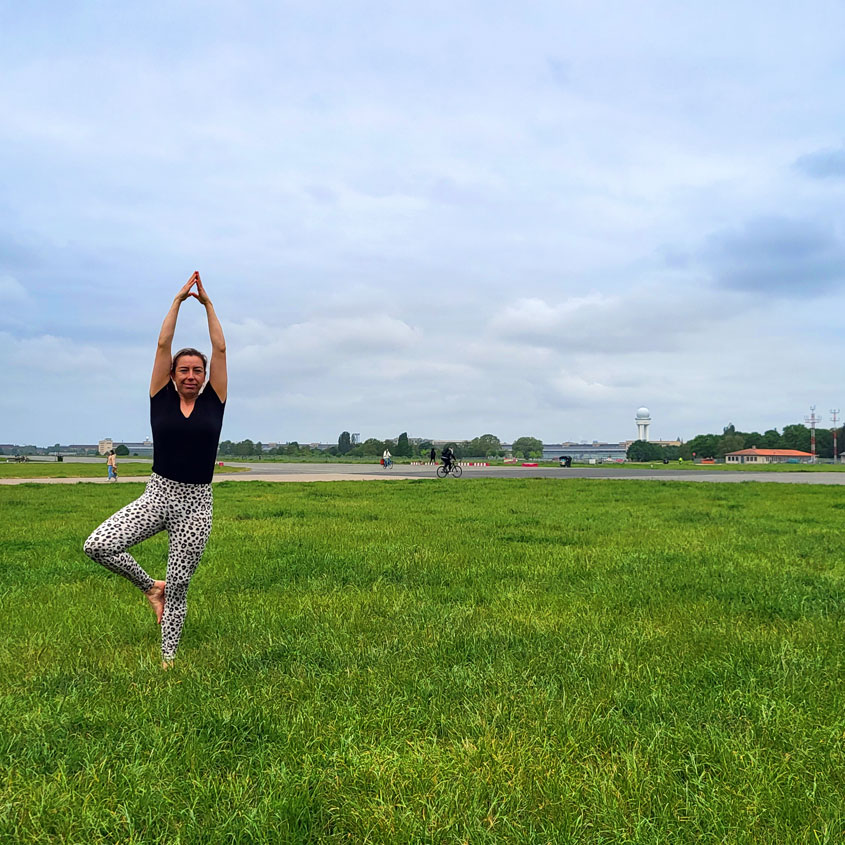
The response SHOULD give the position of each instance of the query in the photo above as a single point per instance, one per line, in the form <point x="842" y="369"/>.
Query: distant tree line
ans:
<point x="28" y="449"/>
<point x="483" y="446"/>
<point x="795" y="436"/>
<point x="247" y="448"/>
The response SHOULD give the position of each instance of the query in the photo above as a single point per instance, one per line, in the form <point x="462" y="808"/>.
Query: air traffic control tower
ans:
<point x="643" y="421"/>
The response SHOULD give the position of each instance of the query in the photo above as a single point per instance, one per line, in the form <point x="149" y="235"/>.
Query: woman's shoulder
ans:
<point x="210" y="394"/>
<point x="167" y="390"/>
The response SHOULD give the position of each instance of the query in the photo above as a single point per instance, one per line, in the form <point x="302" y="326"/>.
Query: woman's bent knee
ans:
<point x="97" y="548"/>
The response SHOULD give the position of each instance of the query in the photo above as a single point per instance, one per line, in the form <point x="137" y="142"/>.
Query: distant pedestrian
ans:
<point x="112" y="464"/>
<point x="432" y="456"/>
<point x="186" y="414"/>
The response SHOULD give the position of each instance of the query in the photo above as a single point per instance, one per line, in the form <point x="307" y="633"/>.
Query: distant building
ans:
<point x="768" y="456"/>
<point x="580" y="452"/>
<point x="678" y="442"/>
<point x="142" y="448"/>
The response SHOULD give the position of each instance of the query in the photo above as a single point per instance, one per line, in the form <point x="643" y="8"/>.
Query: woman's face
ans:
<point x="189" y="376"/>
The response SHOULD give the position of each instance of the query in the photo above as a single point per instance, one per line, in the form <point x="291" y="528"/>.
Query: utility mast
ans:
<point x="812" y="420"/>
<point x="834" y="418"/>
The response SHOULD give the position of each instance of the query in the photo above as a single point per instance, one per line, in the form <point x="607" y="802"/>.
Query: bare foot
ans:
<point x="155" y="596"/>
<point x="166" y="664"/>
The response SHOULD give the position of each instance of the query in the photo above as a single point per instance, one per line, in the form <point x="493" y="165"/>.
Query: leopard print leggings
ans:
<point x="184" y="511"/>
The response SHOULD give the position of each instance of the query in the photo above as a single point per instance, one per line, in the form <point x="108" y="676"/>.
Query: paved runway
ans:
<point x="272" y="471"/>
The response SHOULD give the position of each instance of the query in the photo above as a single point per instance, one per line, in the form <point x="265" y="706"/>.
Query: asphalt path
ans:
<point x="273" y="471"/>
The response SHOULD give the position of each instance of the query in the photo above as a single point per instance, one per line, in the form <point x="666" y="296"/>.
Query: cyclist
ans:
<point x="448" y="457"/>
<point x="386" y="458"/>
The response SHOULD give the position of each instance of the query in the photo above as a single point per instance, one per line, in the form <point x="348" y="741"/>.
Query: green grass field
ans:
<point x="516" y="661"/>
<point x="47" y="469"/>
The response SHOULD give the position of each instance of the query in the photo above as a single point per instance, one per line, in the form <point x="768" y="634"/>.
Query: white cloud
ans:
<point x="12" y="291"/>
<point x="319" y="344"/>
<point x="53" y="389"/>
<point x="648" y="319"/>
<point x="52" y="358"/>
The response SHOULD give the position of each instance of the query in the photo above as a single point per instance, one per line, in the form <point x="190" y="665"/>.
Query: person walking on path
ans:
<point x="186" y="415"/>
<point x="112" y="464"/>
<point x="432" y="456"/>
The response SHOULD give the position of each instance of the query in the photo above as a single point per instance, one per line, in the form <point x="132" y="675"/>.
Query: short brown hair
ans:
<point x="188" y="350"/>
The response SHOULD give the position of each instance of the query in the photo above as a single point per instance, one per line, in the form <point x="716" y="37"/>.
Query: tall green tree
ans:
<point x="771" y="439"/>
<point x="642" y="450"/>
<point x="796" y="436"/>
<point x="732" y="442"/>
<point x="824" y="443"/>
<point x="701" y="446"/>
<point x="372" y="446"/>
<point x="484" y="446"/>
<point x="527" y="447"/>
<point x="344" y="442"/>
<point x="122" y="450"/>
<point x="403" y="447"/>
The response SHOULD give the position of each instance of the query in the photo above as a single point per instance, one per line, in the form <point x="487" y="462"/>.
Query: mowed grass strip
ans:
<point x="50" y="469"/>
<point x="501" y="661"/>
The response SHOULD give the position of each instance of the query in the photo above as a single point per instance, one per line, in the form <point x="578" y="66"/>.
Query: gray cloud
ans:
<point x="823" y="164"/>
<point x="643" y="320"/>
<point x="777" y="256"/>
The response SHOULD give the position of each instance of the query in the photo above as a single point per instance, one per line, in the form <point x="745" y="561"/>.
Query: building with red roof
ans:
<point x="768" y="456"/>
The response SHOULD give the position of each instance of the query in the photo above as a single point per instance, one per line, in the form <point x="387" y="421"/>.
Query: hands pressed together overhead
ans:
<point x="199" y="293"/>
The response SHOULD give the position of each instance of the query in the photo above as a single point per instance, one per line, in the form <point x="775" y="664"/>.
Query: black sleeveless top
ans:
<point x="185" y="448"/>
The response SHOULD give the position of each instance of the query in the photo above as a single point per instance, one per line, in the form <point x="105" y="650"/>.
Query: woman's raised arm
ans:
<point x="217" y="374"/>
<point x="164" y="353"/>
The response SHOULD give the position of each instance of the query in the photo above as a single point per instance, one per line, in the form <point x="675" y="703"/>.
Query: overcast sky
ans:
<point x="441" y="218"/>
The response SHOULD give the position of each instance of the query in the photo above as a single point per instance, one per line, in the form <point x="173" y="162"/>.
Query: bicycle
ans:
<point x="387" y="464"/>
<point x="444" y="469"/>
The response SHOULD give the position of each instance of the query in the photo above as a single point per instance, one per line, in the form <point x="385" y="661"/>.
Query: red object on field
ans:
<point x="708" y="461"/>
<point x="531" y="465"/>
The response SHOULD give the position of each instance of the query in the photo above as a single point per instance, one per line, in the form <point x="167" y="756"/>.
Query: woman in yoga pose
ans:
<point x="186" y="415"/>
